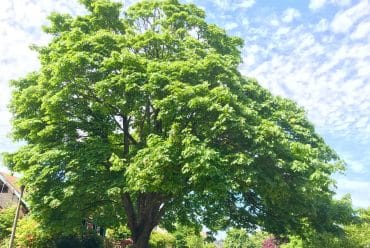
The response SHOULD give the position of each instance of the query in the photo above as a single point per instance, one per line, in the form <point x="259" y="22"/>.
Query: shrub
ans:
<point x="31" y="235"/>
<point x="92" y="240"/>
<point x="70" y="241"/>
<point x="6" y="221"/>
<point x="161" y="239"/>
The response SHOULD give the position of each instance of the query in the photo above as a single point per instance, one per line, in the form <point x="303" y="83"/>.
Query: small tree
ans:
<point x="30" y="235"/>
<point x="142" y="117"/>
<point x="240" y="238"/>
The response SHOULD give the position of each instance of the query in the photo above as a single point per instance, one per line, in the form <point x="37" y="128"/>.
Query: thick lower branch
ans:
<point x="129" y="210"/>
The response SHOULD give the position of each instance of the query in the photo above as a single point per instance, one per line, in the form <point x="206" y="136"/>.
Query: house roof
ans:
<point x="12" y="182"/>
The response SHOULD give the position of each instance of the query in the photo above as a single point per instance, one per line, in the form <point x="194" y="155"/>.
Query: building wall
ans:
<point x="8" y="199"/>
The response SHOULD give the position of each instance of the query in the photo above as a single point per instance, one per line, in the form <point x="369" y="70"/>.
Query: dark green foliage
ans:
<point x="92" y="240"/>
<point x="355" y="235"/>
<point x="71" y="241"/>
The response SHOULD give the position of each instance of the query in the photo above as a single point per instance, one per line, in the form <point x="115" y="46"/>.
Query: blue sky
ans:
<point x="316" y="52"/>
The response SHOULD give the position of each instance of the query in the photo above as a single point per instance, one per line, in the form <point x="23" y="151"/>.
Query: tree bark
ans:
<point x="143" y="217"/>
<point x="141" y="238"/>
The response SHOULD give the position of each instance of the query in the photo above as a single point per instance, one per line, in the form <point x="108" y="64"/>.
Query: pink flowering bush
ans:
<point x="271" y="242"/>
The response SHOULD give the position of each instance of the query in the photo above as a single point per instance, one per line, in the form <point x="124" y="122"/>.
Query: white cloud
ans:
<point x="362" y="30"/>
<point x="231" y="25"/>
<point x="316" y="4"/>
<point x="356" y="166"/>
<point x="245" y="22"/>
<point x="326" y="74"/>
<point x="274" y="22"/>
<point x="5" y="8"/>
<point x="341" y="2"/>
<point x="233" y="5"/>
<point x="347" y="184"/>
<point x="246" y="4"/>
<point x="344" y="20"/>
<point x="322" y="26"/>
<point x="290" y="14"/>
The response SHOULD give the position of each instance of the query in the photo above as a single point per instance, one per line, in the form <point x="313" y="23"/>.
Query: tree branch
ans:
<point x="129" y="210"/>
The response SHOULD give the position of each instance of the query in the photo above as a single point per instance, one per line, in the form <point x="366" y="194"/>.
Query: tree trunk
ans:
<point x="143" y="216"/>
<point x="141" y="240"/>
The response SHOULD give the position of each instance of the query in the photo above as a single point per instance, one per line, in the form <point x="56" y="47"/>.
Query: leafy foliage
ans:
<point x="66" y="241"/>
<point x="30" y="235"/>
<point x="356" y="235"/>
<point x="187" y="237"/>
<point x="142" y="117"/>
<point x="236" y="238"/>
<point x="240" y="238"/>
<point x="119" y="232"/>
<point x="92" y="240"/>
<point x="161" y="239"/>
<point x="6" y="222"/>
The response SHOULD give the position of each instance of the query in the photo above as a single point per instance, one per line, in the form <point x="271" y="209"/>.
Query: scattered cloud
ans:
<point x="316" y="4"/>
<point x="361" y="31"/>
<point x="324" y="72"/>
<point x="231" y="25"/>
<point x="231" y="5"/>
<point x="290" y="14"/>
<point x="322" y="26"/>
<point x="341" y="2"/>
<point x="246" y="4"/>
<point x="345" y="19"/>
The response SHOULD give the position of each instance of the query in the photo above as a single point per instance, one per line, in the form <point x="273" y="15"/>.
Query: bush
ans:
<point x="119" y="233"/>
<point x="70" y="241"/>
<point x="92" y="240"/>
<point x="161" y="239"/>
<point x="4" y="243"/>
<point x="6" y="222"/>
<point x="30" y="235"/>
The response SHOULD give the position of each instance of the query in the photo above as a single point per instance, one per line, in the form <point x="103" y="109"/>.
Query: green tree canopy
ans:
<point x="143" y="117"/>
<point x="356" y="235"/>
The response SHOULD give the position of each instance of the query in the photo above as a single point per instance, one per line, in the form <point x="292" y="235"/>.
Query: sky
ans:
<point x="316" y="52"/>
